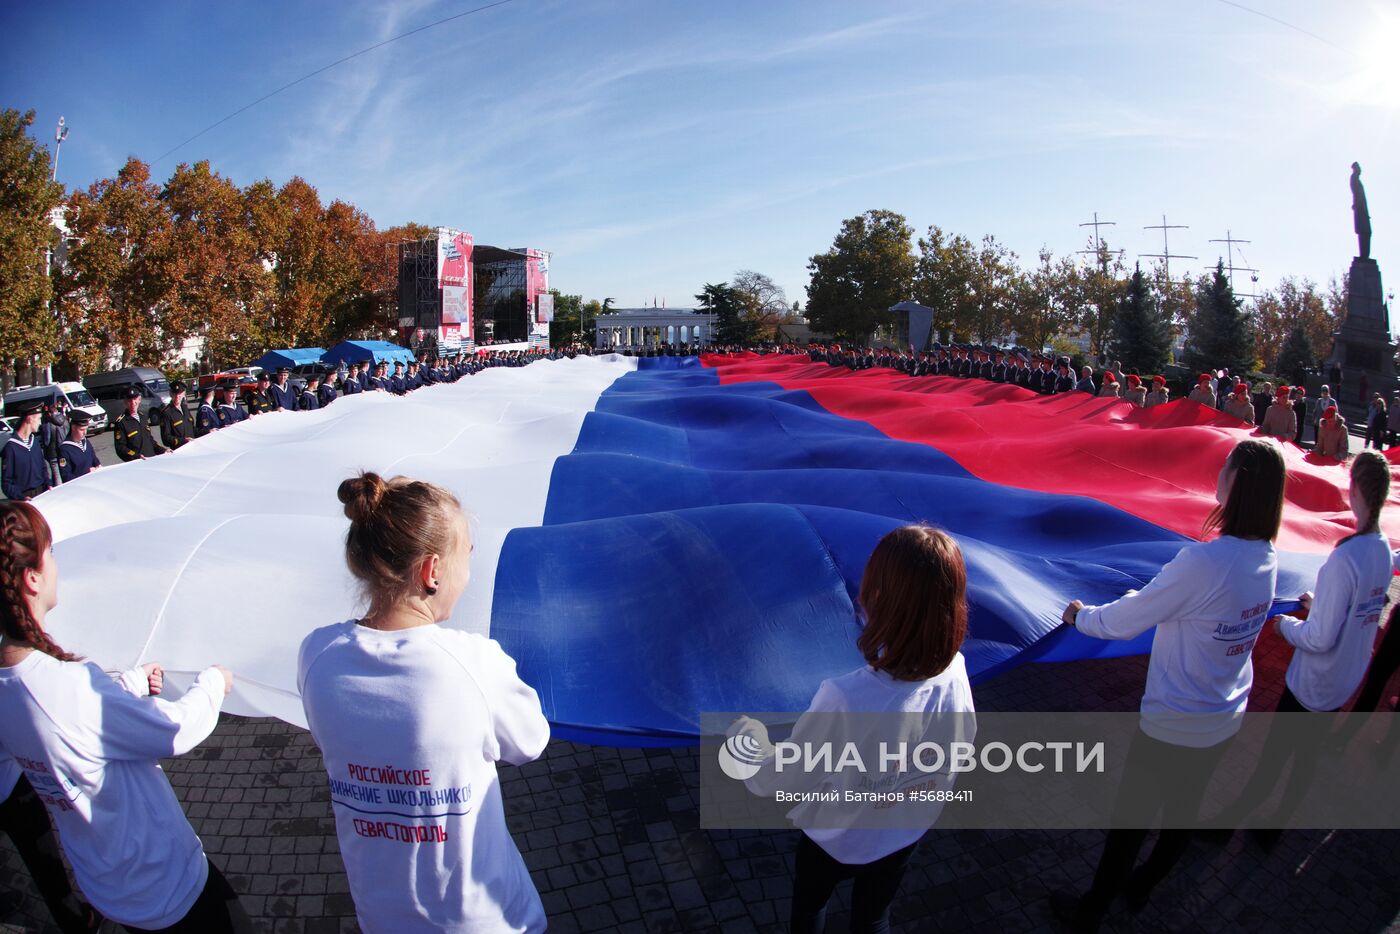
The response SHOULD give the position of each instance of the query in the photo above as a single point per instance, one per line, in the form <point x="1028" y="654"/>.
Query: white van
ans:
<point x="77" y="396"/>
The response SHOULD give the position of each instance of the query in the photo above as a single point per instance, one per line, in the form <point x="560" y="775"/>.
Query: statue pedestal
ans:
<point x="1362" y="346"/>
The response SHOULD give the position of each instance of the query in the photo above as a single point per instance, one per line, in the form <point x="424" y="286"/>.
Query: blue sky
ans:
<point x="656" y="146"/>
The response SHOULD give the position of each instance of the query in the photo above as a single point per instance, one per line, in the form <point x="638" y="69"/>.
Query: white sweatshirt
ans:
<point x="411" y="724"/>
<point x="1208" y="604"/>
<point x="868" y="691"/>
<point x="89" y="747"/>
<point x="1334" y="643"/>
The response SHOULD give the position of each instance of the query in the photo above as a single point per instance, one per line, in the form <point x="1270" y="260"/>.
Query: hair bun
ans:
<point x="362" y="495"/>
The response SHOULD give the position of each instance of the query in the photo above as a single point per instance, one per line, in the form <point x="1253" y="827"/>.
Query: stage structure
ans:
<point x="435" y="292"/>
<point x="454" y="295"/>
<point x="511" y="296"/>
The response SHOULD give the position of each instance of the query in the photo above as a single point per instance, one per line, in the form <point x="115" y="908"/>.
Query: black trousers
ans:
<point x="24" y="820"/>
<point x="1302" y="744"/>
<point x="818" y="874"/>
<point x="216" y="911"/>
<point x="1383" y="665"/>
<point x="1177" y="777"/>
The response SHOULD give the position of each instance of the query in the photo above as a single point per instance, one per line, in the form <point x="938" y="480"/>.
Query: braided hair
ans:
<point x="25" y="537"/>
<point x="1370" y="475"/>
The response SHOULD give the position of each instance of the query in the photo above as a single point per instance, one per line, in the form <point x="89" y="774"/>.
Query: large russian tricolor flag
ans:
<point x="661" y="537"/>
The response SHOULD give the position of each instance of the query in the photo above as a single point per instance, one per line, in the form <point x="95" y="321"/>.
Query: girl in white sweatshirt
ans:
<point x="412" y="718"/>
<point x="913" y="595"/>
<point x="1332" y="648"/>
<point x="1208" y="604"/>
<point x="91" y="746"/>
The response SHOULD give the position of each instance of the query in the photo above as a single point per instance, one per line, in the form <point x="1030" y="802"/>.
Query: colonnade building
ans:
<point x="652" y="327"/>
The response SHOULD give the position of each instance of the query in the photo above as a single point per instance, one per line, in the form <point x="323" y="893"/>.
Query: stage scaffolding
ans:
<point x="502" y="309"/>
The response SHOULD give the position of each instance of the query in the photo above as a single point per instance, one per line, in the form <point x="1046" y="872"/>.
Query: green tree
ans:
<point x="566" y="327"/>
<point x="943" y="275"/>
<point x="993" y="290"/>
<point x="731" y="327"/>
<point x="1141" y="332"/>
<point x="1220" y="333"/>
<point x="869" y="267"/>
<point x="1297" y="356"/>
<point x="29" y="334"/>
<point x="1046" y="301"/>
<point x="1101" y="285"/>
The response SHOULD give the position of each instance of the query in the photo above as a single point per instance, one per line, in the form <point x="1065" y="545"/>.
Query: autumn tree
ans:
<point x="219" y="279"/>
<point x="765" y="304"/>
<point x="29" y="334"/>
<point x="1279" y="311"/>
<point x="869" y="267"/>
<point x="121" y="272"/>
<point x="1141" y="331"/>
<point x="1220" y="333"/>
<point x="346" y="247"/>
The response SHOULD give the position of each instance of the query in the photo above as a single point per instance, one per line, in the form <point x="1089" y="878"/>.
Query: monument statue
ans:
<point x="1361" y="217"/>
<point x="1362" y="346"/>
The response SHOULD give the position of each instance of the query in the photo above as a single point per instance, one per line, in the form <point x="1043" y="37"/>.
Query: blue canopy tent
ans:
<point x="294" y="356"/>
<point x="348" y="352"/>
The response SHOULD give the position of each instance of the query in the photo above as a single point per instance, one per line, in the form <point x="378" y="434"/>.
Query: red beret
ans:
<point x="1160" y="380"/>
<point x="1241" y="387"/>
<point x="1204" y="378"/>
<point x="1134" y="380"/>
<point x="1108" y="377"/>
<point x="1282" y="391"/>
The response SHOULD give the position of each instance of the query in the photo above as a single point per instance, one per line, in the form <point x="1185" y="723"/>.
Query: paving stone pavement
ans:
<point x="611" y="838"/>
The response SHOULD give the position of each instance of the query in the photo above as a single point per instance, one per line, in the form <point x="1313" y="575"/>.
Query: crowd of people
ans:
<point x="1283" y="412"/>
<point x="50" y="446"/>
<point x="396" y="701"/>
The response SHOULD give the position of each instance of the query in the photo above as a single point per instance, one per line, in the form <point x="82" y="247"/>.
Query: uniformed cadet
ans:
<point x="174" y="423"/>
<point x="351" y="383"/>
<point x="1136" y="393"/>
<point x="307" y="401"/>
<point x="326" y="394"/>
<point x="999" y="367"/>
<point x="230" y="412"/>
<point x="1204" y="393"/>
<point x="76" y="456"/>
<point x="206" y="417"/>
<point x="130" y="436"/>
<point x="1065" y="382"/>
<point x="52" y="430"/>
<point x="364" y="374"/>
<point x="396" y="384"/>
<point x="24" y="472"/>
<point x="1239" y="405"/>
<point x="261" y="400"/>
<point x="282" y="393"/>
<point x="1158" y="395"/>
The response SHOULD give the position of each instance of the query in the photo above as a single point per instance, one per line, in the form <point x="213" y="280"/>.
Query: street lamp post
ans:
<point x="59" y="135"/>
